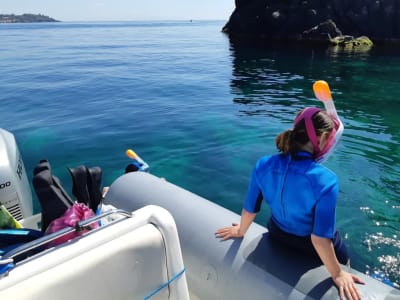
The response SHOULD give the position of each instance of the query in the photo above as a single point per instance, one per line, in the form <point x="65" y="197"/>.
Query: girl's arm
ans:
<point x="343" y="280"/>
<point x="236" y="230"/>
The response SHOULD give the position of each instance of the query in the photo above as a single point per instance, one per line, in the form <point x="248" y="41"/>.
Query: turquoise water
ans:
<point x="201" y="110"/>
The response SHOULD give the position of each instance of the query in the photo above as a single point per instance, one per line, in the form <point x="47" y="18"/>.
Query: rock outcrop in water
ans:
<point x="318" y="21"/>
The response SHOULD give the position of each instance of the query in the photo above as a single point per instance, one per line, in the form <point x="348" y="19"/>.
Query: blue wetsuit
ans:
<point x="301" y="193"/>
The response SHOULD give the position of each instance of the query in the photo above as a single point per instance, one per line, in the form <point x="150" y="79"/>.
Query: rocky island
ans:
<point x="316" y="21"/>
<point x="25" y="18"/>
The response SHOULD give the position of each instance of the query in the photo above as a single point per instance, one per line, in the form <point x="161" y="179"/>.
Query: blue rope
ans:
<point x="4" y="269"/>
<point x="176" y="276"/>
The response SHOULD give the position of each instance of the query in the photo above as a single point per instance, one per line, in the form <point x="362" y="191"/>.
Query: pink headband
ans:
<point x="307" y="115"/>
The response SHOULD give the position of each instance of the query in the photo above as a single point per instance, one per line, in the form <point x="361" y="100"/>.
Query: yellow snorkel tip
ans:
<point x="131" y="154"/>
<point x="322" y="91"/>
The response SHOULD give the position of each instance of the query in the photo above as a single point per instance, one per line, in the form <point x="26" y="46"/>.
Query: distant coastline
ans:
<point x="25" y="18"/>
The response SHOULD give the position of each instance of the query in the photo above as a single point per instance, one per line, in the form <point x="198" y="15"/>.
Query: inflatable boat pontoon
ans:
<point x="248" y="268"/>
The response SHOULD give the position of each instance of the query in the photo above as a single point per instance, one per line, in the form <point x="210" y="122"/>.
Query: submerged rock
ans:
<point x="329" y="32"/>
<point x="349" y="41"/>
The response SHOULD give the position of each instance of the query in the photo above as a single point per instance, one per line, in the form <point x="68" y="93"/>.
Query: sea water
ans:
<point x="201" y="110"/>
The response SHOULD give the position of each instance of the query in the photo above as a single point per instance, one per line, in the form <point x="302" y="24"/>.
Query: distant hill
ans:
<point x="25" y="18"/>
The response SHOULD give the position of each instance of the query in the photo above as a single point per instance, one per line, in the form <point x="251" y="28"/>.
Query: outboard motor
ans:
<point x="15" y="192"/>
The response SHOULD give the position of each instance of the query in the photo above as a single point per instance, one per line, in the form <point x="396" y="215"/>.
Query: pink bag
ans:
<point x="77" y="212"/>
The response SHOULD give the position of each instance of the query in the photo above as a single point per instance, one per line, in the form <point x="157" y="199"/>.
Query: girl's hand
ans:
<point x="236" y="230"/>
<point x="229" y="232"/>
<point x="346" y="285"/>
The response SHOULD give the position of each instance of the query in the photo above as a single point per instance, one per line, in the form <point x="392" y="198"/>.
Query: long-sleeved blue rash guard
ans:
<point x="301" y="193"/>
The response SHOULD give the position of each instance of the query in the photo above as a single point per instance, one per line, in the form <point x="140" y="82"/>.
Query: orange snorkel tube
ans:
<point x="323" y="93"/>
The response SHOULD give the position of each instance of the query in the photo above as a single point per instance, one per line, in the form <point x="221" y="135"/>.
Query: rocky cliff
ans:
<point x="316" y="20"/>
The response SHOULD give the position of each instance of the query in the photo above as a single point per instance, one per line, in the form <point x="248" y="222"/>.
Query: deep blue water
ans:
<point x="201" y="110"/>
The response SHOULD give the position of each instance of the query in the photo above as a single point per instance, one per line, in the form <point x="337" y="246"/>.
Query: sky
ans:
<point x="122" y="10"/>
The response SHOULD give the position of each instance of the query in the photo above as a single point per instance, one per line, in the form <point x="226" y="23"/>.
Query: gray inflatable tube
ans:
<point x="249" y="268"/>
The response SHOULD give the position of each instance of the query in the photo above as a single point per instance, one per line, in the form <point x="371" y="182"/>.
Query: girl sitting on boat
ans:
<point x="302" y="195"/>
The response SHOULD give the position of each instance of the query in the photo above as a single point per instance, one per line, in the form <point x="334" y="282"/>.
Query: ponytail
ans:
<point x="284" y="141"/>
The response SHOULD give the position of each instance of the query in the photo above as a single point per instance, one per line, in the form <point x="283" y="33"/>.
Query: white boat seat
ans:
<point x="128" y="259"/>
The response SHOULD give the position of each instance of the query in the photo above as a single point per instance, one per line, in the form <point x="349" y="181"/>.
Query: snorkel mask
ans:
<point x="323" y="93"/>
<point x="307" y="115"/>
